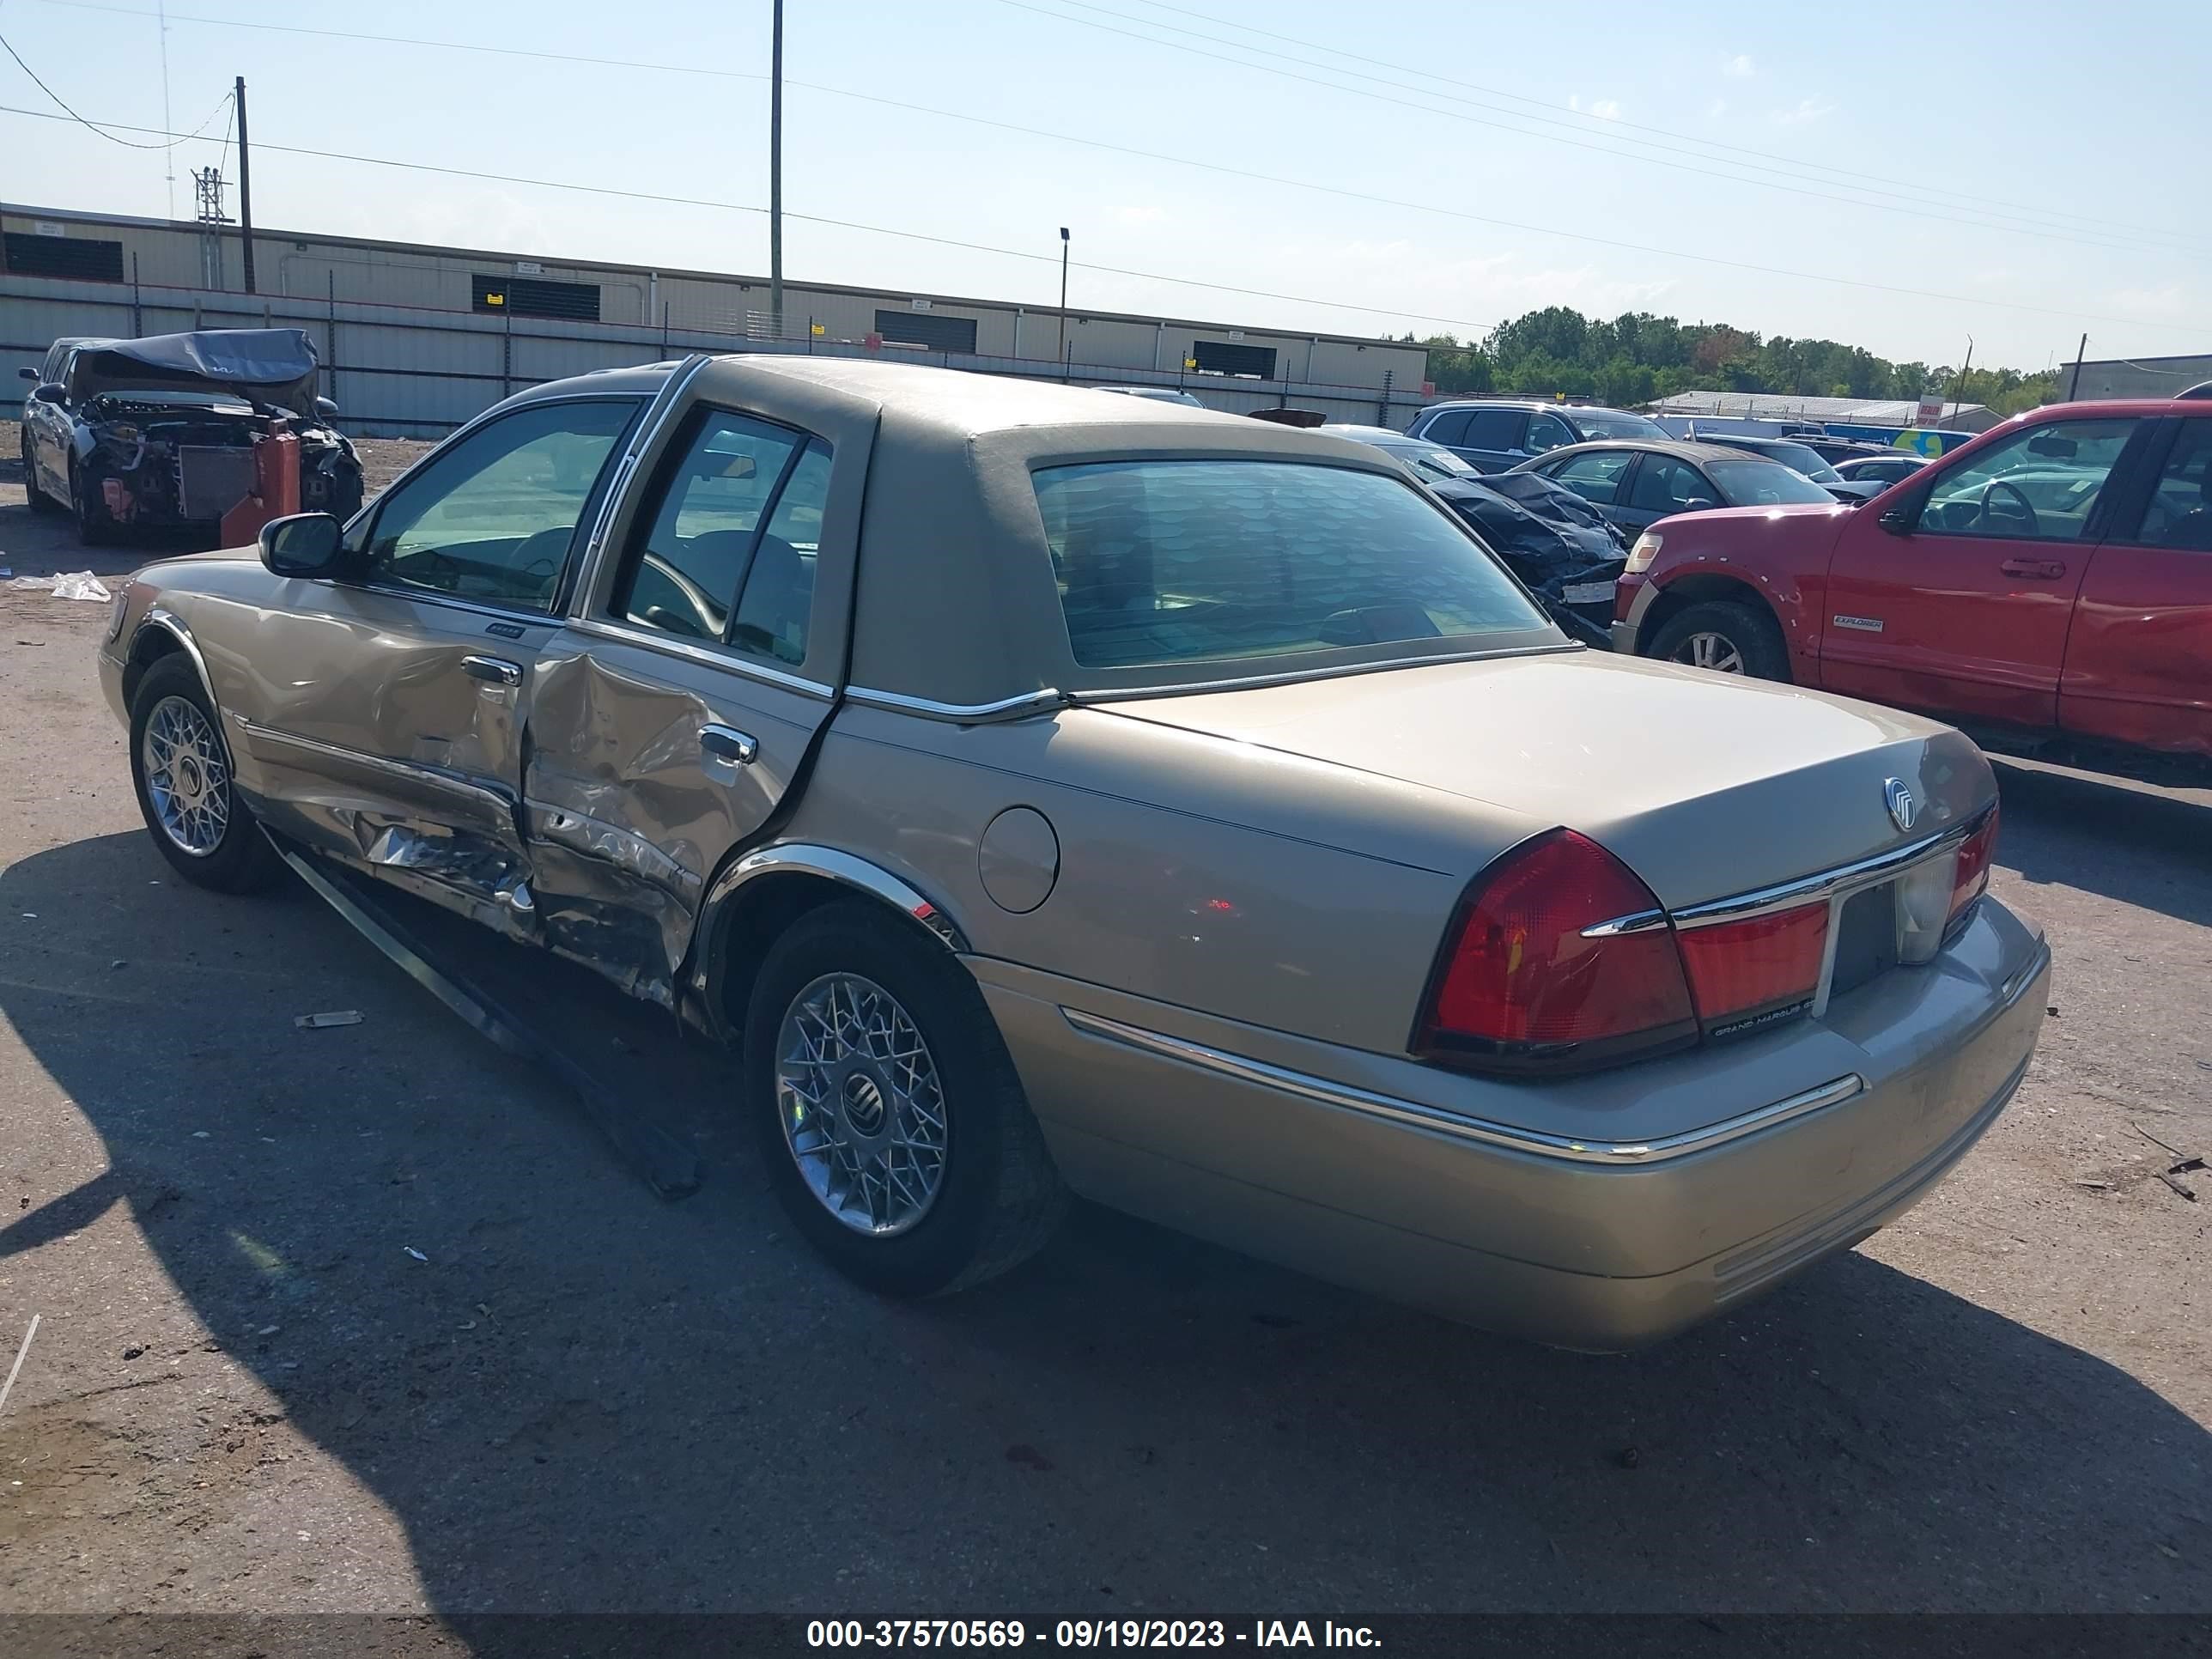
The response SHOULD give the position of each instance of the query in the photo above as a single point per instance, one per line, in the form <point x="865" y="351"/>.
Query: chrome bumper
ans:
<point x="1579" y="1242"/>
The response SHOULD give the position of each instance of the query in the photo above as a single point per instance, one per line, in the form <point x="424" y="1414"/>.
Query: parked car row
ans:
<point x="1044" y="792"/>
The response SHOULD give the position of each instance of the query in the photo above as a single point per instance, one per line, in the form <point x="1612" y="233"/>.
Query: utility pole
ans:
<point x="1063" y="301"/>
<point x="775" y="177"/>
<point x="1959" y="386"/>
<point x="2073" y="386"/>
<point x="244" y="189"/>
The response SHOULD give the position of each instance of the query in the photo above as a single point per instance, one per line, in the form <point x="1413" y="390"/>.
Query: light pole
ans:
<point x="1063" y="302"/>
<point x="775" y="177"/>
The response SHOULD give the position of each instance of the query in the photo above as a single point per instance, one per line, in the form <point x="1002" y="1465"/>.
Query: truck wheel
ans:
<point x="1725" y="637"/>
<point x="39" y="500"/>
<point x="94" y="526"/>
<point x="888" y="1115"/>
<point x="181" y="767"/>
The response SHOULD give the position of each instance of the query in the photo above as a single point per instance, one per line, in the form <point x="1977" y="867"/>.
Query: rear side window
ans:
<point x="728" y="554"/>
<point x="1190" y="561"/>
<point x="1596" y="477"/>
<point x="2181" y="510"/>
<point x="1495" y="428"/>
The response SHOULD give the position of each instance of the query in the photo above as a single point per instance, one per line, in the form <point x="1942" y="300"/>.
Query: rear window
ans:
<point x="1764" y="483"/>
<point x="1185" y="561"/>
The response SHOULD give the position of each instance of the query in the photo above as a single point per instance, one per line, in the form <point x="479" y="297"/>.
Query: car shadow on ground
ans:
<point x="2145" y="849"/>
<point x="586" y="1399"/>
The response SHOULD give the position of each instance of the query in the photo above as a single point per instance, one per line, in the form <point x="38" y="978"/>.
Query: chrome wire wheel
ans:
<point x="1715" y="651"/>
<point x="187" y="776"/>
<point x="861" y="1104"/>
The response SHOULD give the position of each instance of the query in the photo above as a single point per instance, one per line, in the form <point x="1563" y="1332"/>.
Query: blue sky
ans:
<point x="2040" y="165"/>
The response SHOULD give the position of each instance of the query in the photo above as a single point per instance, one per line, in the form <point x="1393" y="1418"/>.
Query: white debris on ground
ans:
<point x="65" y="585"/>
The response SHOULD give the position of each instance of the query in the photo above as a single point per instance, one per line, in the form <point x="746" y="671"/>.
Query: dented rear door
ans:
<point x="678" y="706"/>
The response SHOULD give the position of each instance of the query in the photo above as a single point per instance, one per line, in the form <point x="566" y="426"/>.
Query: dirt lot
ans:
<point x="367" y="1319"/>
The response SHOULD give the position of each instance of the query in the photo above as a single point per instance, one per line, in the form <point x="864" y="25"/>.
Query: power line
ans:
<point x="1922" y="210"/>
<point x="2043" y="230"/>
<point x="92" y="126"/>
<point x="1186" y="282"/>
<point x="841" y="224"/>
<point x="1847" y="175"/>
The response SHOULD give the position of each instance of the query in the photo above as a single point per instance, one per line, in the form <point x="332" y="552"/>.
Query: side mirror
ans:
<point x="325" y="409"/>
<point x="49" y="394"/>
<point x="303" y="544"/>
<point x="26" y="374"/>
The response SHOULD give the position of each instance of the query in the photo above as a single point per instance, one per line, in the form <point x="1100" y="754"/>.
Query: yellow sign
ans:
<point x="495" y="299"/>
<point x="1190" y="363"/>
<point x="818" y="329"/>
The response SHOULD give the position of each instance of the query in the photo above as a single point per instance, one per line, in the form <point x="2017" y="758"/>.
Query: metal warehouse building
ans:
<point x="418" y="338"/>
<point x="2137" y="377"/>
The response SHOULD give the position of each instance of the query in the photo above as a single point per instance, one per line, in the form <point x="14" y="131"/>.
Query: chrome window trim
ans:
<point x="1479" y="1131"/>
<point x="1837" y="882"/>
<point x="705" y="652"/>
<point x="645" y="434"/>
<point x="963" y="713"/>
<point x="1335" y="671"/>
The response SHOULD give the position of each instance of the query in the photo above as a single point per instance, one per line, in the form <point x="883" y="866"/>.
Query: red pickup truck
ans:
<point x="2047" y="585"/>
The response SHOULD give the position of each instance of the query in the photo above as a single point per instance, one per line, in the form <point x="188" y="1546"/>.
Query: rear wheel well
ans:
<point x="1686" y="591"/>
<point x="758" y="914"/>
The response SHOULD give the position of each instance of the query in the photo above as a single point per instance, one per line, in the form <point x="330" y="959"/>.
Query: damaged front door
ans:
<point x="669" y="720"/>
<point x="388" y="723"/>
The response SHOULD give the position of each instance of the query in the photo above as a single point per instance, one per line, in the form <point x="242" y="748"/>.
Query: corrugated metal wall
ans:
<point x="410" y="358"/>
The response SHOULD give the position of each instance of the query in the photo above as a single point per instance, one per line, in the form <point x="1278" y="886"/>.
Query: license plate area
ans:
<point x="1866" y="937"/>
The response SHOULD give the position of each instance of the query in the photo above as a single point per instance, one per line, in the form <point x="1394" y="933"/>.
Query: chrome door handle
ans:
<point x="728" y="743"/>
<point x="497" y="670"/>
<point x="2048" y="570"/>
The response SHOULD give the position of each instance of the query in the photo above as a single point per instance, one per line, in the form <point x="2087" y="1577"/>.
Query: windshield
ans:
<point x="1749" y="482"/>
<point x="1432" y="460"/>
<point x="1186" y="562"/>
<point x="1612" y="423"/>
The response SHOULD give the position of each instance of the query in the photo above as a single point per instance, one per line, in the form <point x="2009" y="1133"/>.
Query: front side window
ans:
<point x="728" y="553"/>
<point x="1665" y="484"/>
<point x="1756" y="483"/>
<point x="1547" y="432"/>
<point x="2181" y="510"/>
<point x="492" y="517"/>
<point x="2038" y="485"/>
<point x="1209" y="561"/>
<point x="1595" y="476"/>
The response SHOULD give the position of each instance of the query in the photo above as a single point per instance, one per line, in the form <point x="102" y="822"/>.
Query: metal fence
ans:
<point x="409" y="372"/>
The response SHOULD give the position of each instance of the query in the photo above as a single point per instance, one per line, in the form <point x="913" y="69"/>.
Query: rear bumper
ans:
<point x="1581" y="1243"/>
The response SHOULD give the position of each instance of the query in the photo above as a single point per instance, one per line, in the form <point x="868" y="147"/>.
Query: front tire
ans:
<point x="886" y="1110"/>
<point x="38" y="499"/>
<point x="1725" y="637"/>
<point x="186" y="792"/>
<point x="94" y="528"/>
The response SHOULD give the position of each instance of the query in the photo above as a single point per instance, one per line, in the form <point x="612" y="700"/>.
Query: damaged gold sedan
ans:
<point x="1044" y="791"/>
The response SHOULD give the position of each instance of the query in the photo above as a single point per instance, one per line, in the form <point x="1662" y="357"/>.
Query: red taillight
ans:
<point x="1522" y="983"/>
<point x="1760" y="967"/>
<point x="1969" y="877"/>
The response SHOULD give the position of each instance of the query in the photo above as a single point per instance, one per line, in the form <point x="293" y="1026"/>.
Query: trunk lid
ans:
<point x="1706" y="786"/>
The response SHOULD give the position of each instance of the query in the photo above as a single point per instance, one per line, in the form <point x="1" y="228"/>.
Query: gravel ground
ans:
<point x="249" y="1393"/>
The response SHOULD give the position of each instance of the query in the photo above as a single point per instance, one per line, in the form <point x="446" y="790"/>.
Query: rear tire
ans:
<point x="38" y="499"/>
<point x="861" y="1034"/>
<point x="187" y="793"/>
<point x="1726" y="638"/>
